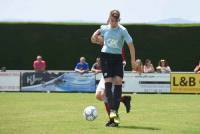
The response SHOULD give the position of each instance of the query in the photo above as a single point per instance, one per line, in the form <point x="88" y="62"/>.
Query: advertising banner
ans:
<point x="185" y="83"/>
<point x="9" y="81"/>
<point x="146" y="82"/>
<point x="65" y="82"/>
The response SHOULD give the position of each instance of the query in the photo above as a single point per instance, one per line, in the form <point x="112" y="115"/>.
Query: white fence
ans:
<point x="9" y="81"/>
<point x="175" y="82"/>
<point x="149" y="82"/>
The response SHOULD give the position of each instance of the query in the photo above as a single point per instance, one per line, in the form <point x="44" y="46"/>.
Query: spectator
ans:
<point x="197" y="68"/>
<point x="139" y="66"/>
<point x="163" y="67"/>
<point x="82" y="66"/>
<point x="148" y="67"/>
<point x="96" y="66"/>
<point x="39" y="65"/>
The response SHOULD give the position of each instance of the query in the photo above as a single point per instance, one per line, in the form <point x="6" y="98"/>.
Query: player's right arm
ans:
<point x="96" y="37"/>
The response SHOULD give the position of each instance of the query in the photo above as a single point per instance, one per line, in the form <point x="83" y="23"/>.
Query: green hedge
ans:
<point x="61" y="45"/>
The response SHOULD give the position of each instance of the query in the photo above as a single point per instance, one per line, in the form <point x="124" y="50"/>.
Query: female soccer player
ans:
<point x="113" y="37"/>
<point x="100" y="95"/>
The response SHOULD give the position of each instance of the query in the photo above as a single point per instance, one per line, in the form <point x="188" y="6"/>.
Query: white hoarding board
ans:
<point x="9" y="81"/>
<point x="146" y="82"/>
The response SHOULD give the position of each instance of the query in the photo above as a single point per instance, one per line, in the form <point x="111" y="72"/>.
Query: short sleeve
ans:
<point x="102" y="29"/>
<point x="77" y="66"/>
<point x="127" y="37"/>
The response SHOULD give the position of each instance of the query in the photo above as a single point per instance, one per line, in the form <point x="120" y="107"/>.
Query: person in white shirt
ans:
<point x="163" y="67"/>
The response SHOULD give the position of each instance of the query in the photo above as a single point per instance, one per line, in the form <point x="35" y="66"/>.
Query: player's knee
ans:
<point x="99" y="96"/>
<point x="108" y="79"/>
<point x="118" y="81"/>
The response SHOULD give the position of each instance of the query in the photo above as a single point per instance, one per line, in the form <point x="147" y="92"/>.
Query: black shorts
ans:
<point x="111" y="65"/>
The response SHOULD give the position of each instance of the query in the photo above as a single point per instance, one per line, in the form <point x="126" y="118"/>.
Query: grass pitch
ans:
<point x="61" y="113"/>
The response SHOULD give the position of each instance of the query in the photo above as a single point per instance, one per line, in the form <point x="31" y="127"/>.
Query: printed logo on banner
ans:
<point x="67" y="82"/>
<point x="185" y="83"/>
<point x="32" y="78"/>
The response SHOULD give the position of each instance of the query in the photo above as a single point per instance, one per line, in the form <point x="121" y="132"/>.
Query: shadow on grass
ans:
<point x="139" y="127"/>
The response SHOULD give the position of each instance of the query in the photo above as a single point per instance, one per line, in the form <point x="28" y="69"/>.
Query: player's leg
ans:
<point x="109" y="93"/>
<point x="100" y="94"/>
<point x="106" y="64"/>
<point x="117" y="92"/>
<point x="118" y="73"/>
<point x="126" y="100"/>
<point x="117" y="97"/>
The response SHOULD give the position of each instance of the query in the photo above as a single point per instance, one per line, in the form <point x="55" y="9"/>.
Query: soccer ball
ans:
<point x="90" y="113"/>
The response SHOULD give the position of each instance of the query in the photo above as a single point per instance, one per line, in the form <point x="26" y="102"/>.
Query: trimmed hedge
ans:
<point x="61" y="45"/>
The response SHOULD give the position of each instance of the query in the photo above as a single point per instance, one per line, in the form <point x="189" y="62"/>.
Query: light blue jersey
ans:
<point x="114" y="38"/>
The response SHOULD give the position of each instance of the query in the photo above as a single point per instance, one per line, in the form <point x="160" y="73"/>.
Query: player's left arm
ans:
<point x="132" y="53"/>
<point x="124" y="56"/>
<point x="131" y="47"/>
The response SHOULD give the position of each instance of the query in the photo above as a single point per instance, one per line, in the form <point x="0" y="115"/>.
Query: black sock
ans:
<point x="117" y="96"/>
<point x="109" y="94"/>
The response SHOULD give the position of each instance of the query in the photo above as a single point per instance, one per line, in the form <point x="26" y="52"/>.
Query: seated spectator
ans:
<point x="96" y="66"/>
<point x="163" y="67"/>
<point x="39" y="65"/>
<point x="82" y="66"/>
<point x="148" y="67"/>
<point x="138" y="66"/>
<point x="197" y="68"/>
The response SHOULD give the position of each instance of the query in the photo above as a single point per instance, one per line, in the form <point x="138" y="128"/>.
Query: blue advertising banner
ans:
<point x="64" y="82"/>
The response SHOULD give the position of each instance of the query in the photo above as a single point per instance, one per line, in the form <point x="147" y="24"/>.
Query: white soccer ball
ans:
<point x="90" y="113"/>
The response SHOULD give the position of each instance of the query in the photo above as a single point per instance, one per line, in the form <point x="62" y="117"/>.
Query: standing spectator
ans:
<point x="82" y="66"/>
<point x="39" y="64"/>
<point x="96" y="66"/>
<point x="148" y="66"/>
<point x="139" y="68"/>
<point x="197" y="68"/>
<point x="163" y="67"/>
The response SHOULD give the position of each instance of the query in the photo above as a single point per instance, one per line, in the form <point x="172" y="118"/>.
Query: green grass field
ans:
<point x="61" y="113"/>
